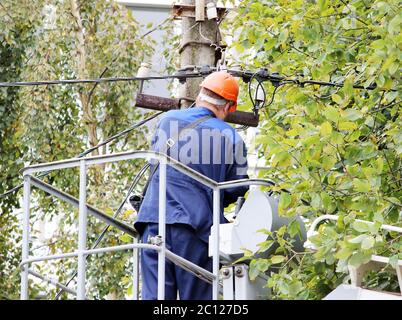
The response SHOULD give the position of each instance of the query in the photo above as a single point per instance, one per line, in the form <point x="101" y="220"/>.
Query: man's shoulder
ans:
<point x="173" y="114"/>
<point x="189" y="115"/>
<point x="225" y="129"/>
<point x="184" y="115"/>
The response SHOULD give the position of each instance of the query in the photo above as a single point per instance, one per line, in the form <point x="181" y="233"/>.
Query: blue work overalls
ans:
<point x="188" y="202"/>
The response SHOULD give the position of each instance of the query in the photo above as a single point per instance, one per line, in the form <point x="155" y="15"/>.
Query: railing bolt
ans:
<point x="226" y="272"/>
<point x="239" y="272"/>
<point x="156" y="240"/>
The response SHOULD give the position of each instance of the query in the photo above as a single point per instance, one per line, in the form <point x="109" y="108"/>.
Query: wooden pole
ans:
<point x="165" y="104"/>
<point x="196" y="49"/>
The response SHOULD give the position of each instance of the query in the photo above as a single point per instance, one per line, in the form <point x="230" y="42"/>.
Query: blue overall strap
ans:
<point x="170" y="143"/>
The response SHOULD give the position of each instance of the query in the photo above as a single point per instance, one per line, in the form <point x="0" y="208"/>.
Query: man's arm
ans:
<point x="236" y="171"/>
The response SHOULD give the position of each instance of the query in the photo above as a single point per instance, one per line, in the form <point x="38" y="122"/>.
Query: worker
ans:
<point x="188" y="202"/>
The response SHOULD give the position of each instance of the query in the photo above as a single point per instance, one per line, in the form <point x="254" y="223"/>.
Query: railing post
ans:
<point x="135" y="270"/>
<point x="162" y="229"/>
<point x="215" y="243"/>
<point x="82" y="232"/>
<point x="25" y="237"/>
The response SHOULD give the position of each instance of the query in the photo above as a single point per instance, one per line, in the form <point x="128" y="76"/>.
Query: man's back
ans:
<point x="214" y="149"/>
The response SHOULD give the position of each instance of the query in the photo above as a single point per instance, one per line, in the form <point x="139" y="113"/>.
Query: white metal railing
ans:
<point x="84" y="209"/>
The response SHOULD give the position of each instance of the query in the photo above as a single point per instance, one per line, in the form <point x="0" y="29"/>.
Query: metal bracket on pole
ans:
<point x="189" y="11"/>
<point x="199" y="10"/>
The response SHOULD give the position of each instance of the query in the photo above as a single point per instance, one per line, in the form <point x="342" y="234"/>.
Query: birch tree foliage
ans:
<point x="46" y="40"/>
<point x="337" y="149"/>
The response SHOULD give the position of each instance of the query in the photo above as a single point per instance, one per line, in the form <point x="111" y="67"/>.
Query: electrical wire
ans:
<point x="332" y="84"/>
<point x="249" y="90"/>
<point x="118" y="135"/>
<point x="244" y="74"/>
<point x="260" y="79"/>
<point x="115" y="215"/>
<point x="256" y="106"/>
<point x="156" y="27"/>
<point x="273" y="96"/>
<point x="96" y="80"/>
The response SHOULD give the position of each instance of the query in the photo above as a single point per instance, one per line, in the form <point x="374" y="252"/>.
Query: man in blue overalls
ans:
<point x="188" y="202"/>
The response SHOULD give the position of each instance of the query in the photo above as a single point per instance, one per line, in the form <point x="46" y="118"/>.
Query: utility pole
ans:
<point x="196" y="49"/>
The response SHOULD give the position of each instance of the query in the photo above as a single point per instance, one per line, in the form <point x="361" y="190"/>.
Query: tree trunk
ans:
<point x="88" y="117"/>
<point x="89" y="120"/>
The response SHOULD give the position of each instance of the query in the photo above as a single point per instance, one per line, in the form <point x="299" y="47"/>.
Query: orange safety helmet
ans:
<point x="224" y="85"/>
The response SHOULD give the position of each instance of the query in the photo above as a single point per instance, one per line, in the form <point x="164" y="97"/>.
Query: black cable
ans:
<point x="273" y="96"/>
<point x="263" y="75"/>
<point x="115" y="215"/>
<point x="125" y="131"/>
<point x="108" y="140"/>
<point x="249" y="90"/>
<point x="332" y="84"/>
<point x="256" y="106"/>
<point x="181" y="76"/>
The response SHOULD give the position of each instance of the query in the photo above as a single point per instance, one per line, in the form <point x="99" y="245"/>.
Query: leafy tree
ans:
<point x="61" y="40"/>
<point x="337" y="150"/>
<point x="16" y="36"/>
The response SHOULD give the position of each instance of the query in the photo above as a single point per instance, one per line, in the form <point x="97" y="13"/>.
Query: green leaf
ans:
<point x="328" y="162"/>
<point x="358" y="259"/>
<point x="295" y="287"/>
<point x="337" y="98"/>
<point x="360" y="226"/>
<point x="130" y="290"/>
<point x="265" y="245"/>
<point x="344" y="253"/>
<point x="277" y="259"/>
<point x="322" y="5"/>
<point x="394" y="200"/>
<point x="351" y="114"/>
<point x="294" y="228"/>
<point x="126" y="238"/>
<point x="284" y="201"/>
<point x="368" y="243"/>
<point x="281" y="159"/>
<point x="244" y="258"/>
<point x="109" y="211"/>
<point x="379" y="164"/>
<point x="393" y="260"/>
<point x="263" y="265"/>
<point x="394" y="25"/>
<point x="326" y="200"/>
<point x="326" y="129"/>
<point x="361" y="185"/>
<point x="253" y="271"/>
<point x="332" y="113"/>
<point x="358" y="239"/>
<point x="347" y="126"/>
